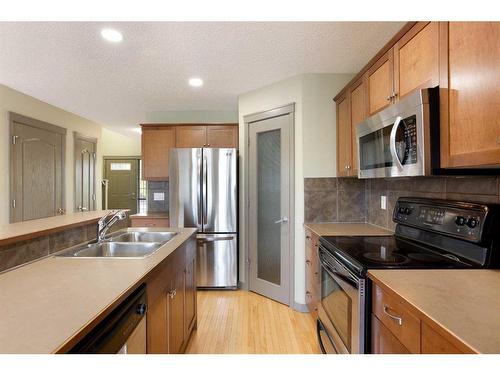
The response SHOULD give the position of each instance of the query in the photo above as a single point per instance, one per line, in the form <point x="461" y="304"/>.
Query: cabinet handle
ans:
<point x="389" y="98"/>
<point x="308" y="294"/>
<point x="308" y="262"/>
<point x="172" y="293"/>
<point x="308" y="237"/>
<point x="396" y="318"/>
<point x="347" y="167"/>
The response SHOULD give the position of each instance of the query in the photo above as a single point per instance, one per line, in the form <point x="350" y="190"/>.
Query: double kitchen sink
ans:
<point x="129" y="244"/>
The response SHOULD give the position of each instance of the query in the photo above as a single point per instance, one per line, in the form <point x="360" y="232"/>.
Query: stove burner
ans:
<point x="390" y="258"/>
<point x="426" y="257"/>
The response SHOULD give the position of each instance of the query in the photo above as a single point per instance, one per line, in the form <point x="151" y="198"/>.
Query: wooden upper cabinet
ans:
<point x="156" y="145"/>
<point x="343" y="137"/>
<point x="190" y="136"/>
<point x="416" y="59"/>
<point x="470" y="109"/>
<point x="358" y="115"/>
<point x="380" y="83"/>
<point x="222" y="136"/>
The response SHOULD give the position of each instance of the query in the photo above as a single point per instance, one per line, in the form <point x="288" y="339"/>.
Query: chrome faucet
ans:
<point x="107" y="221"/>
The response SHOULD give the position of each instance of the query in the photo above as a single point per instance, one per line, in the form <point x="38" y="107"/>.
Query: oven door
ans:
<point x="342" y="307"/>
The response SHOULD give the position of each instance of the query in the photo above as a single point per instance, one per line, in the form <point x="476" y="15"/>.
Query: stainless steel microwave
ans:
<point x="401" y="140"/>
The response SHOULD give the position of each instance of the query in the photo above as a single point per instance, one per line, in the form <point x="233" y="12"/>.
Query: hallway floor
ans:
<point x="248" y="323"/>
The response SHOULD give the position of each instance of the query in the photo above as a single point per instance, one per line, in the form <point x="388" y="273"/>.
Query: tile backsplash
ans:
<point x="354" y="200"/>
<point x="157" y="187"/>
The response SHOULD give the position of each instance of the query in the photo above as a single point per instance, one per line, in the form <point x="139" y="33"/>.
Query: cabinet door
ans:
<point x="416" y="59"/>
<point x="470" y="116"/>
<point x="383" y="341"/>
<point x="190" y="296"/>
<point x="358" y="115"/>
<point x="190" y="136"/>
<point x="434" y="343"/>
<point x="222" y="136"/>
<point x="156" y="145"/>
<point x="380" y="83"/>
<point x="175" y="299"/>
<point x="343" y="137"/>
<point x="157" y="328"/>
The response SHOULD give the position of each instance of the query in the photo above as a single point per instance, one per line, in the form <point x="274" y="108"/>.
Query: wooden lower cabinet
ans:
<point x="312" y="273"/>
<point x="398" y="329"/>
<point x="171" y="290"/>
<point x="149" y="222"/>
<point x="383" y="341"/>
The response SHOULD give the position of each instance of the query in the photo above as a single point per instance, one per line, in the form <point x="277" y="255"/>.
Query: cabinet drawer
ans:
<point x="403" y="324"/>
<point x="149" y="222"/>
<point x="383" y="341"/>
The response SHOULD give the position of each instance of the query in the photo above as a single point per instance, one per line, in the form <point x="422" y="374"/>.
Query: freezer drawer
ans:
<point x="216" y="262"/>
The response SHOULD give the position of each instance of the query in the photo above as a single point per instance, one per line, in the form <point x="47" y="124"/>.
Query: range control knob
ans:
<point x="472" y="223"/>
<point x="401" y="210"/>
<point x="407" y="210"/>
<point x="460" y="220"/>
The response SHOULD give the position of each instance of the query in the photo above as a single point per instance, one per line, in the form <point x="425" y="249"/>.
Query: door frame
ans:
<point x="248" y="119"/>
<point x="137" y="157"/>
<point x="80" y="136"/>
<point x="29" y="121"/>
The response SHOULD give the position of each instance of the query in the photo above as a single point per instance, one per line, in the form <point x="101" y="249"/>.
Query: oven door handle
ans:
<point x="392" y="143"/>
<point x="347" y="278"/>
<point x="321" y="328"/>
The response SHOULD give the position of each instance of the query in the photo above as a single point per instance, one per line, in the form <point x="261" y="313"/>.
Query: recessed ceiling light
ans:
<point x="112" y="35"/>
<point x="196" y="82"/>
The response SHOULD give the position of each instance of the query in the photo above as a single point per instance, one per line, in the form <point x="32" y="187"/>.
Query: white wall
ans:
<point x="15" y="101"/>
<point x="315" y="147"/>
<point x="116" y="144"/>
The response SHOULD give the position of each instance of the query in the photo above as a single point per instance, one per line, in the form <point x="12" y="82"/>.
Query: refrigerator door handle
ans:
<point x="199" y="193"/>
<point x="213" y="239"/>
<point x="205" y="188"/>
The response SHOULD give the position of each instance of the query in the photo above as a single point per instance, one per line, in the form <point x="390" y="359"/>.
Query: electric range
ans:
<point x="430" y="234"/>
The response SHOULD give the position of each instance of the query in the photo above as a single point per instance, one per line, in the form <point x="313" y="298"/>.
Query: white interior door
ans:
<point x="269" y="207"/>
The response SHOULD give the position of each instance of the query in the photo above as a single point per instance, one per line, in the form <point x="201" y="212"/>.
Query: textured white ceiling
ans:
<point x="69" y="65"/>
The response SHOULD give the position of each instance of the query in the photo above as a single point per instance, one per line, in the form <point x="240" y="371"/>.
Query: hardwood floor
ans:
<point x="247" y="323"/>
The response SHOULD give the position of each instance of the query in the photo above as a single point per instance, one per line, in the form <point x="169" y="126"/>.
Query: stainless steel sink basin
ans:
<point x="137" y="236"/>
<point x="127" y="244"/>
<point x="113" y="250"/>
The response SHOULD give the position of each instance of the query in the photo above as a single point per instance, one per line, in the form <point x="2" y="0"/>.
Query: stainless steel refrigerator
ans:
<point x="203" y="195"/>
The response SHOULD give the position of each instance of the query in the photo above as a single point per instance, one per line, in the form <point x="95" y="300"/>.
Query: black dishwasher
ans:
<point x="125" y="322"/>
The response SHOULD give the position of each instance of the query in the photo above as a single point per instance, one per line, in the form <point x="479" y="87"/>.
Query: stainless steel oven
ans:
<point x="397" y="140"/>
<point x="341" y="312"/>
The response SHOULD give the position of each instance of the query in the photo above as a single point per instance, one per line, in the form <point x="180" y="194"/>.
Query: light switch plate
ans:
<point x="158" y="196"/>
<point x="383" y="202"/>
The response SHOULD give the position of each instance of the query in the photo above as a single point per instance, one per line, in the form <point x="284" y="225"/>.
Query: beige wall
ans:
<point x="116" y="144"/>
<point x="15" y="101"/>
<point x="315" y="147"/>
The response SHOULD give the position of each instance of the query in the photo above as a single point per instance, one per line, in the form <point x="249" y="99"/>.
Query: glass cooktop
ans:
<point x="377" y="252"/>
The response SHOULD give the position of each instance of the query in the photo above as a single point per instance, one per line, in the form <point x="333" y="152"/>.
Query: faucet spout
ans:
<point x="107" y="221"/>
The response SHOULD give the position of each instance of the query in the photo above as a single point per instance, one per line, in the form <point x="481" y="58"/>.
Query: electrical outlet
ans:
<point x="383" y="202"/>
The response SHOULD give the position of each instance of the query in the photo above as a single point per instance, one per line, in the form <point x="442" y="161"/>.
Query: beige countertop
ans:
<point x="152" y="215"/>
<point x="24" y="230"/>
<point x="45" y="304"/>
<point x="465" y="303"/>
<point x="347" y="229"/>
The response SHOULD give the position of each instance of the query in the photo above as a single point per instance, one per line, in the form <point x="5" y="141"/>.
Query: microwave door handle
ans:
<point x="392" y="143"/>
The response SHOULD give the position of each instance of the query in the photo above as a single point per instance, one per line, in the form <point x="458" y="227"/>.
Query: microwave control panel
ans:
<point x="410" y="131"/>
